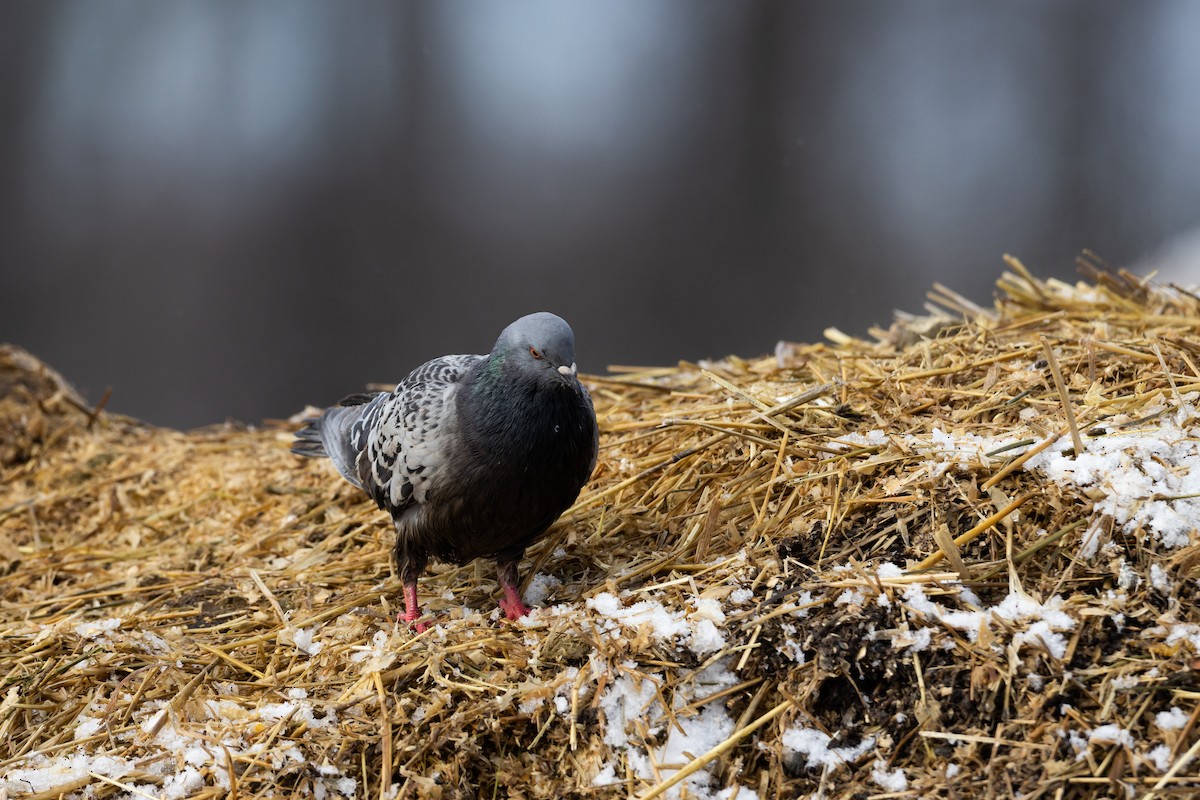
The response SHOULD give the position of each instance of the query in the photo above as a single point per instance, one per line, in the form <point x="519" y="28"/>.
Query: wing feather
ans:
<point x="408" y="436"/>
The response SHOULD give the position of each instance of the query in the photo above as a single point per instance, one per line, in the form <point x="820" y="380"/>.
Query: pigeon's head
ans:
<point x="542" y="343"/>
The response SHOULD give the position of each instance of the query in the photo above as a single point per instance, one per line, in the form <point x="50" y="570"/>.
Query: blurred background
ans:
<point x="233" y="209"/>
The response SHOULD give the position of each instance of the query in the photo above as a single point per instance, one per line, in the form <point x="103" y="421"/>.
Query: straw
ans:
<point x="204" y="609"/>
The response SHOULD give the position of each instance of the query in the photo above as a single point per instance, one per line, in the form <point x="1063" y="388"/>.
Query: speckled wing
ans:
<point x="405" y="438"/>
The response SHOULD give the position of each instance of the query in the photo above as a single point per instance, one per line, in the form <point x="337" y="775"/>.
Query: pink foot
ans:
<point x="412" y="610"/>
<point x="512" y="605"/>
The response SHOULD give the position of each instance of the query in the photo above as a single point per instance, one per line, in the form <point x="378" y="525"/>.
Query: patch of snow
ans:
<point x="199" y="750"/>
<point x="802" y="600"/>
<point x="540" y="587"/>
<point x="45" y="774"/>
<point x="693" y="735"/>
<point x="607" y="776"/>
<point x="626" y="698"/>
<point x="969" y="597"/>
<point x="1041" y="633"/>
<point x="151" y="642"/>
<point x="735" y="792"/>
<point x="792" y="648"/>
<point x="1111" y="734"/>
<point x="888" y="570"/>
<point x="741" y="596"/>
<point x="87" y="726"/>
<point x="706" y="638"/>
<point x="1045" y="619"/>
<point x="376" y="657"/>
<point x="662" y="622"/>
<point x="561" y="687"/>
<point x="851" y="597"/>
<point x="889" y="780"/>
<point x="872" y="438"/>
<point x="1150" y="476"/>
<point x="1093" y="537"/>
<point x="915" y="641"/>
<point x="181" y="784"/>
<point x="97" y="628"/>
<point x="710" y="609"/>
<point x="1122" y="682"/>
<point x="629" y="697"/>
<point x="699" y="629"/>
<point x="305" y="641"/>
<point x="1181" y="631"/>
<point x="1160" y="580"/>
<point x="813" y="745"/>
<point x="1127" y="577"/>
<point x="1172" y="719"/>
<point x="1160" y="757"/>
<point x="1077" y="741"/>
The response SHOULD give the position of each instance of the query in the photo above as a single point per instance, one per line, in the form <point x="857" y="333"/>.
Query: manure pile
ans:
<point x="957" y="560"/>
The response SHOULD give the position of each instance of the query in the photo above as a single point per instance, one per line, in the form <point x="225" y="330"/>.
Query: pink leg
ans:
<point x="511" y="604"/>
<point x="412" y="610"/>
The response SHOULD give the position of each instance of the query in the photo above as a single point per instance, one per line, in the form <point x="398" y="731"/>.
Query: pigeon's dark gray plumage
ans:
<point x="473" y="456"/>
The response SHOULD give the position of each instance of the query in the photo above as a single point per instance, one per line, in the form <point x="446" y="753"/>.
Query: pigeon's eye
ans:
<point x="533" y="351"/>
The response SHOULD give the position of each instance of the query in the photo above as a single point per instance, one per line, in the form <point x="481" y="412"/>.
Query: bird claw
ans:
<point x="412" y="622"/>
<point x="514" y="609"/>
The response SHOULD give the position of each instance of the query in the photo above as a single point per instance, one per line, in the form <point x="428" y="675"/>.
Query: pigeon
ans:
<point x="472" y="456"/>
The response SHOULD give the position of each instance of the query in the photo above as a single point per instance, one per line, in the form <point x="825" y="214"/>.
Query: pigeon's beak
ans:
<point x="567" y="371"/>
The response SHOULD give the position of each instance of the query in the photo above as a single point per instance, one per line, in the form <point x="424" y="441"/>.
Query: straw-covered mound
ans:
<point x="958" y="561"/>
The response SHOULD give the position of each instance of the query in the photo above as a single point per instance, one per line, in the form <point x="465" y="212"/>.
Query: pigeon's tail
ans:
<point x="331" y="436"/>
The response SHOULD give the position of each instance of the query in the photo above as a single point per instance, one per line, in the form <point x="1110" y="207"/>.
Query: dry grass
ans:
<point x="205" y="601"/>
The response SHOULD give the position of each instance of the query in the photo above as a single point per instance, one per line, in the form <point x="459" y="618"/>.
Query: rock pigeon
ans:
<point x="473" y="456"/>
